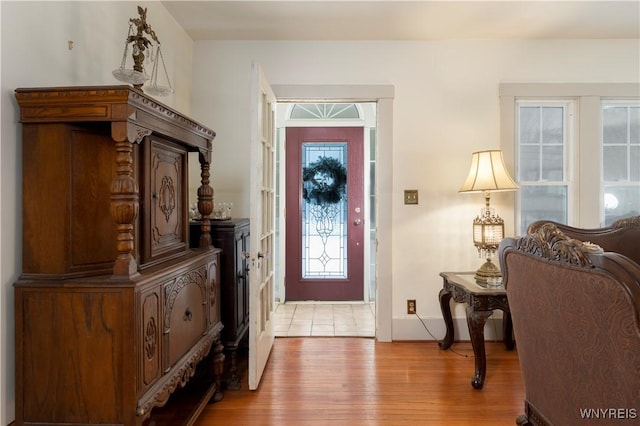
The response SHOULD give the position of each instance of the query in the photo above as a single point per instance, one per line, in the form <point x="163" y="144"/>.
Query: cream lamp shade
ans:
<point x="488" y="173"/>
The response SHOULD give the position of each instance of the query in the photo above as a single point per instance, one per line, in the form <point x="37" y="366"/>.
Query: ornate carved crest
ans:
<point x="136" y="134"/>
<point x="167" y="197"/>
<point x="197" y="277"/>
<point x="550" y="243"/>
<point x="150" y="334"/>
<point x="627" y="222"/>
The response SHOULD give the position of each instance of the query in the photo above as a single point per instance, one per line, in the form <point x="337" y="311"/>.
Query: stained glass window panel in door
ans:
<point x="324" y="210"/>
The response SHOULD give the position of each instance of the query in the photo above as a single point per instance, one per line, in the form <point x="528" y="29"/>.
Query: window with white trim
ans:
<point x="574" y="150"/>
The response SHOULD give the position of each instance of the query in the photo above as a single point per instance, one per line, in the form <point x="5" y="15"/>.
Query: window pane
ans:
<point x="634" y="164"/>
<point x="529" y="125"/>
<point x="372" y="183"/>
<point x="621" y="202"/>
<point x="552" y="163"/>
<point x="541" y="159"/>
<point x="621" y="161"/>
<point x="542" y="202"/>
<point x="529" y="164"/>
<point x="614" y="125"/>
<point x="614" y="160"/>
<point x="634" y="125"/>
<point x="552" y="126"/>
<point x="372" y="196"/>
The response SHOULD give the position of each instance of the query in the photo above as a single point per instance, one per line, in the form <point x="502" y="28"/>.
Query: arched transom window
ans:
<point x="324" y="112"/>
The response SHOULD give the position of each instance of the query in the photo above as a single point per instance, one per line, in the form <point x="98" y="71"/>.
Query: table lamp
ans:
<point x="488" y="174"/>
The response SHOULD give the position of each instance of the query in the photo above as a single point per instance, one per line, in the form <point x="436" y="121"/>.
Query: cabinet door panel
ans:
<point x="165" y="200"/>
<point x="149" y="335"/>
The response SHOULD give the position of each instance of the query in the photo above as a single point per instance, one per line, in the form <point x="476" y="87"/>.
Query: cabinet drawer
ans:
<point x="185" y="315"/>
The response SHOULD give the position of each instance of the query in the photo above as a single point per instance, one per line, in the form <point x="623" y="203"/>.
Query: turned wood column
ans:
<point x="125" y="196"/>
<point x="205" y="200"/>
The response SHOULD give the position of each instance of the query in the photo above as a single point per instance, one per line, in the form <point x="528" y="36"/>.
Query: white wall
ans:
<point x="35" y="53"/>
<point x="446" y="106"/>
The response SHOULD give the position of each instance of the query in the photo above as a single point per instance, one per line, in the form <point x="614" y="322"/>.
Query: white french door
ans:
<point x="262" y="239"/>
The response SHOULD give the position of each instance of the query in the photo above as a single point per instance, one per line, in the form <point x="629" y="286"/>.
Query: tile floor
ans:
<point x="324" y="319"/>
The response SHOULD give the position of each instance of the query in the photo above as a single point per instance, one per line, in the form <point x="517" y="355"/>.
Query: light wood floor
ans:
<point x="357" y="381"/>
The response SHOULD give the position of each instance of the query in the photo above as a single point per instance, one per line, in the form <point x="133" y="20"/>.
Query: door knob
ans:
<point x="357" y="222"/>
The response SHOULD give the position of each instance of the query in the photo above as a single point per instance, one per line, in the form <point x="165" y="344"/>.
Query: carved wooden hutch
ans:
<point x="113" y="310"/>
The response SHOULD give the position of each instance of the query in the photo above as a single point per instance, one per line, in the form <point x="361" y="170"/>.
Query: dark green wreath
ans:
<point x="323" y="182"/>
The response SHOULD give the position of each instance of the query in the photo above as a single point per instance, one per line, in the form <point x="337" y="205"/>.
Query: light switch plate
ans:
<point x="411" y="196"/>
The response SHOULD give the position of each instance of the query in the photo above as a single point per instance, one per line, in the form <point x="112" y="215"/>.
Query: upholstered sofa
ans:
<point x="576" y="320"/>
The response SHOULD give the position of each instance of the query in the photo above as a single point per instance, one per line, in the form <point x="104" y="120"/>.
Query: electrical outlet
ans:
<point x="411" y="306"/>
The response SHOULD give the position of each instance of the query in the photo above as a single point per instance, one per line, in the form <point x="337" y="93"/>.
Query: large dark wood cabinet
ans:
<point x="115" y="313"/>
<point x="232" y="236"/>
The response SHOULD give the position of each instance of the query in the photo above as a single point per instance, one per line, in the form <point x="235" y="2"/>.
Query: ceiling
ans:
<point x="406" y="20"/>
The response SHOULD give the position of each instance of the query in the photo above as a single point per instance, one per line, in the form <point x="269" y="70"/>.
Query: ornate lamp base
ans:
<point x="488" y="275"/>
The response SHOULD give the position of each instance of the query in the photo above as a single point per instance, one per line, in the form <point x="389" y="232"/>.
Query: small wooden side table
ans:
<point x="481" y="302"/>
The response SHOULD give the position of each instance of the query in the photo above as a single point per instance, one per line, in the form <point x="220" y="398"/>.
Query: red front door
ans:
<point x="324" y="213"/>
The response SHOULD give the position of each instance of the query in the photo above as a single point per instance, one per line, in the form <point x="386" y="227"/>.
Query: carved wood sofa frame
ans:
<point x="576" y="320"/>
<point x="623" y="236"/>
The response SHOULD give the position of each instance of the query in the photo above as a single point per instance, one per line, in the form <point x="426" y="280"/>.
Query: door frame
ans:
<point x="383" y="95"/>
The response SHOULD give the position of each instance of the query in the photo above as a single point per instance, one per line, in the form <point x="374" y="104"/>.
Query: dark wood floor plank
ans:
<point x="357" y="381"/>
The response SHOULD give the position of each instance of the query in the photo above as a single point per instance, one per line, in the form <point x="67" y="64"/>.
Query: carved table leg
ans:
<point x="475" y="322"/>
<point x="507" y="331"/>
<point x="445" y="306"/>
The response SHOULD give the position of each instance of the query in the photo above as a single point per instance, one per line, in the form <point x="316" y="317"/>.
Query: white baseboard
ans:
<point x="411" y="328"/>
